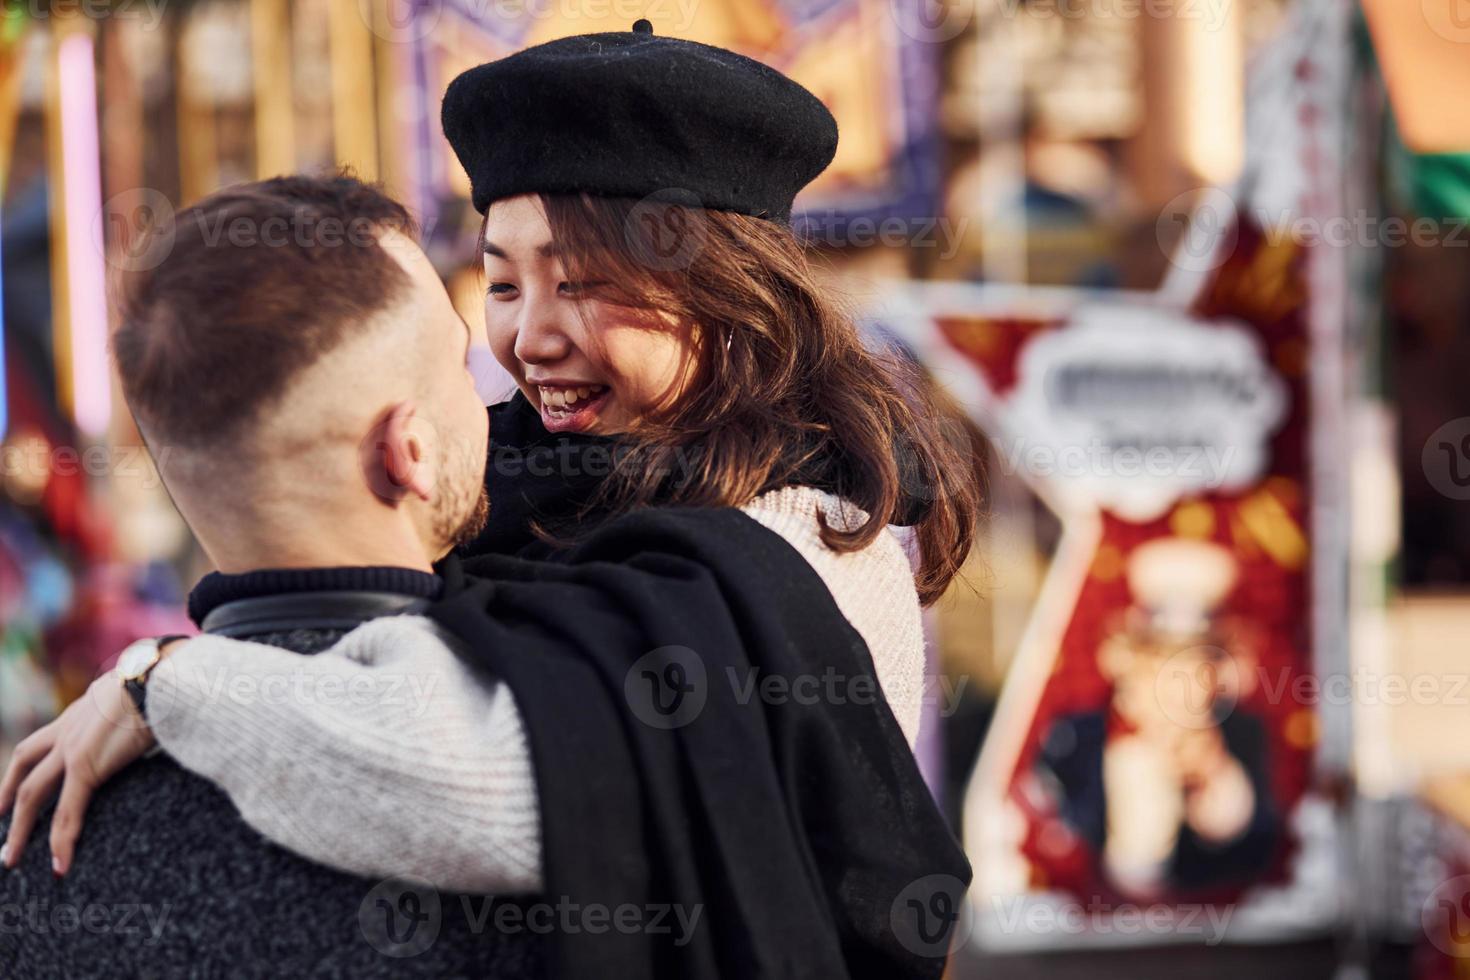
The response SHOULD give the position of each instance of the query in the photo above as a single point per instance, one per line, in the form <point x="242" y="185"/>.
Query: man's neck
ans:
<point x="324" y="544"/>
<point x="241" y="560"/>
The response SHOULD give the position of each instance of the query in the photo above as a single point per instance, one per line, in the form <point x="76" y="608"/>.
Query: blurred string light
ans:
<point x="4" y="391"/>
<point x="12" y="29"/>
<point x="82" y="191"/>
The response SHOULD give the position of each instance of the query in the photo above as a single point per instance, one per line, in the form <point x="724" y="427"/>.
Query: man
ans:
<point x="298" y="370"/>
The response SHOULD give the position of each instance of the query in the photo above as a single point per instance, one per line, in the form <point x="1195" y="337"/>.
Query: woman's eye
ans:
<point x="501" y="289"/>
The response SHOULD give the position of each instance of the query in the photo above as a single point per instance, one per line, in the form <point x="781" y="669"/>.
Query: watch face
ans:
<point x="136" y="658"/>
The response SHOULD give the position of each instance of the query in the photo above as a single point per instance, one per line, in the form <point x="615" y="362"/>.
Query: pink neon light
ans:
<point x="85" y="267"/>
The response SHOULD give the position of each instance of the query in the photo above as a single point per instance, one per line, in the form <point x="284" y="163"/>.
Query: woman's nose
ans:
<point x="540" y="339"/>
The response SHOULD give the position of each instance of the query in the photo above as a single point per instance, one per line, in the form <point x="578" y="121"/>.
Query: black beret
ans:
<point x="631" y="114"/>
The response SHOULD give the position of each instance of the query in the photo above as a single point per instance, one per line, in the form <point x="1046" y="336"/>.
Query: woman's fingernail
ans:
<point x="5" y="854"/>
<point x="56" y="865"/>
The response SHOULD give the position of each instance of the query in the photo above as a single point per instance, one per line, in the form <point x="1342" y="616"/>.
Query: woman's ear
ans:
<point x="395" y="456"/>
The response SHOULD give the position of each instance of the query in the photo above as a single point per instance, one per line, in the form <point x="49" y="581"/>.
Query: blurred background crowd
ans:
<point x="1193" y="272"/>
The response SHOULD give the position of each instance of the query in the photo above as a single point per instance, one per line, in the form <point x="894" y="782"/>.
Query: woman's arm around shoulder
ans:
<point x="384" y="755"/>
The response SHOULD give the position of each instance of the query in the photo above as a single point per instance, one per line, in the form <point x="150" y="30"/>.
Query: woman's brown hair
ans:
<point x="783" y="388"/>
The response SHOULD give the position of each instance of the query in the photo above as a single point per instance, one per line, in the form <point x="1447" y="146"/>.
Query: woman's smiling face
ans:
<point x="588" y="365"/>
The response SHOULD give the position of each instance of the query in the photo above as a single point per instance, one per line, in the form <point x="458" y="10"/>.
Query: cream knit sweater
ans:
<point x="386" y="756"/>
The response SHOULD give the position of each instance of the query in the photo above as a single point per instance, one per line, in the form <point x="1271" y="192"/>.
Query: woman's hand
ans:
<point x="95" y="737"/>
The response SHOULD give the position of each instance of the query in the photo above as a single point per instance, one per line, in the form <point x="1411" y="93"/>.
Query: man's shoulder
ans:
<point x="164" y="866"/>
<point x="155" y="814"/>
<point x="169" y="879"/>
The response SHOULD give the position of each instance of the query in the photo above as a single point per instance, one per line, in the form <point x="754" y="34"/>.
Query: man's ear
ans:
<point x="396" y="459"/>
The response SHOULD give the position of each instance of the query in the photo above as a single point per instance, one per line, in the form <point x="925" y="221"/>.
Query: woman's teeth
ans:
<point x="566" y="400"/>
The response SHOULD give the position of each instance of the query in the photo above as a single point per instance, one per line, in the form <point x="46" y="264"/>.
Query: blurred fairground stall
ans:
<point x="1197" y="273"/>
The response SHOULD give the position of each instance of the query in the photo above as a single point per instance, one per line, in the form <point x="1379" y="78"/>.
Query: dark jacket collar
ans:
<point x="353" y="588"/>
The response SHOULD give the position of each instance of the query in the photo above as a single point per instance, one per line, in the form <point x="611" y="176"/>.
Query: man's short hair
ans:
<point x="255" y="284"/>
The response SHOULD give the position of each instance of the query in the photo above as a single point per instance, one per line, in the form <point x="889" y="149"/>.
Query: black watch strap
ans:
<point x="137" y="687"/>
<point x="138" y="691"/>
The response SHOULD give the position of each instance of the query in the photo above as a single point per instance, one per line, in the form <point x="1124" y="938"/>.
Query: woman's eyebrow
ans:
<point x="545" y="250"/>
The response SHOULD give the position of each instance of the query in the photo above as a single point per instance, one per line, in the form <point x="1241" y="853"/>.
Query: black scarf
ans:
<point x="798" y="829"/>
<point x="535" y="476"/>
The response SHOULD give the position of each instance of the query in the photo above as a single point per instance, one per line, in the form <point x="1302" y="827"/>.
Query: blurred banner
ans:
<point x="1154" y="741"/>
<point x="870" y="62"/>
<point x="1158" y="747"/>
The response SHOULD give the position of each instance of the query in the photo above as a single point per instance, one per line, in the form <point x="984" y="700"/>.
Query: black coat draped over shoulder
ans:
<point x="713" y="757"/>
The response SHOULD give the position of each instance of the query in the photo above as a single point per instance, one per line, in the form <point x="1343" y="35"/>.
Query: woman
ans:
<point x="645" y="292"/>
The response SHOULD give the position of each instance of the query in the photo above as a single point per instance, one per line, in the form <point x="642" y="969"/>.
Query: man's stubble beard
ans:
<point x="460" y="520"/>
<point x="459" y="523"/>
<point x="474" y="523"/>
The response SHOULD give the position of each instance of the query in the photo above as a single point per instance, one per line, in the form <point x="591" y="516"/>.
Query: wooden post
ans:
<point x="354" y="107"/>
<point x="1194" y="97"/>
<point x="275" y="118"/>
<point x="56" y="203"/>
<point x="198" y="138"/>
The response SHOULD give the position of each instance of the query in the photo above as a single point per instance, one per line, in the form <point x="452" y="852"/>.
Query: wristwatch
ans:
<point x="136" y="663"/>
